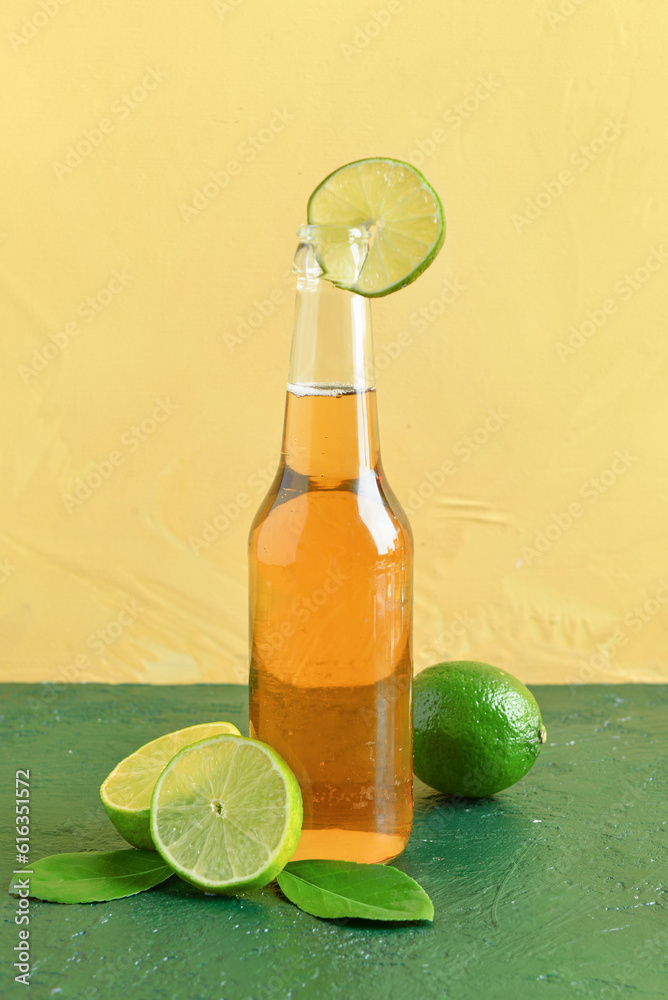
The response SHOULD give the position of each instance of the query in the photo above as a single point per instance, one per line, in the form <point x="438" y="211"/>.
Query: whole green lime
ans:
<point x="477" y="729"/>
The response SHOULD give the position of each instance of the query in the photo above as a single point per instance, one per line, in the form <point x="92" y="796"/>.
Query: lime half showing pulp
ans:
<point x="226" y="814"/>
<point x="126" y="793"/>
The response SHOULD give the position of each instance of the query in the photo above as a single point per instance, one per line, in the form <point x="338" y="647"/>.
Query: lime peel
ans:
<point x="477" y="729"/>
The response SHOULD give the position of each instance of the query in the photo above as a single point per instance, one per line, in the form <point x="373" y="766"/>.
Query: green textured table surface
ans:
<point x="554" y="888"/>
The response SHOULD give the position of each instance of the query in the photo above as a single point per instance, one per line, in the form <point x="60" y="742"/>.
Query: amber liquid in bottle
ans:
<point x="331" y="601"/>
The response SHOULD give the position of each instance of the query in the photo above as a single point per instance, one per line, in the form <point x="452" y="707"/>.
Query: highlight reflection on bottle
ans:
<point x="331" y="589"/>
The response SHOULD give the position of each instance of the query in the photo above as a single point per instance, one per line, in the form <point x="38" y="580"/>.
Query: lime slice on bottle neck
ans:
<point x="226" y="814"/>
<point x="400" y="209"/>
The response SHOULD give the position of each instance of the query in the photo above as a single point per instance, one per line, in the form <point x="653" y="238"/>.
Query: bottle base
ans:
<point x="349" y="845"/>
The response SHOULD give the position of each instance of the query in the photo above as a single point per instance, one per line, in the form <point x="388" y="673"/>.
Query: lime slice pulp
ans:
<point x="126" y="792"/>
<point x="397" y="205"/>
<point x="226" y="814"/>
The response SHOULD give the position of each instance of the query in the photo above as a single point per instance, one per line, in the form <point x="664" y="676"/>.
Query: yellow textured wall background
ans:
<point x="522" y="379"/>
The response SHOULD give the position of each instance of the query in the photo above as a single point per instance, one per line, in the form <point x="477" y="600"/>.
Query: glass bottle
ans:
<point x="331" y="557"/>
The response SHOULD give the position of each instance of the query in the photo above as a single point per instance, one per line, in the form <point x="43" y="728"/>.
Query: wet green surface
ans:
<point x="553" y="888"/>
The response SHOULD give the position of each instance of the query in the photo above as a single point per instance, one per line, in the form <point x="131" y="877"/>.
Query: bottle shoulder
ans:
<point x="361" y="514"/>
<point x="393" y="504"/>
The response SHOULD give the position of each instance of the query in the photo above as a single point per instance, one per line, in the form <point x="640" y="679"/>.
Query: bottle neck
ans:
<point x="331" y="427"/>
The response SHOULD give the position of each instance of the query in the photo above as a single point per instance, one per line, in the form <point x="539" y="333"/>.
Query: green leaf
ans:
<point x="93" y="876"/>
<point x="347" y="889"/>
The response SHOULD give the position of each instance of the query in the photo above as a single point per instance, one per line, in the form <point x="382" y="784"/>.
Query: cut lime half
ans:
<point x="226" y="814"/>
<point x="400" y="209"/>
<point x="126" y="792"/>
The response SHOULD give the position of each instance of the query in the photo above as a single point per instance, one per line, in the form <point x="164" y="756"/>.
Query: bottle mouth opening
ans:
<point x="335" y="252"/>
<point x="332" y="233"/>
